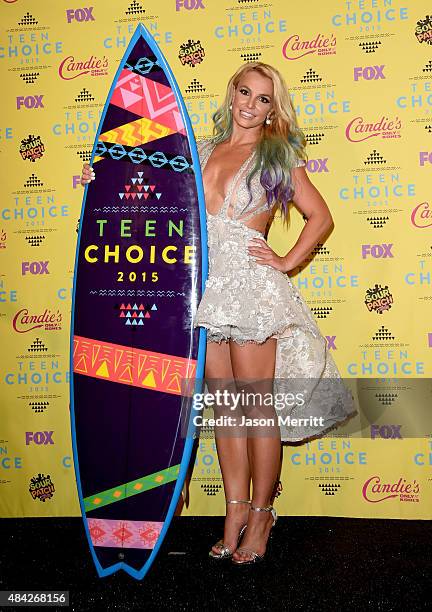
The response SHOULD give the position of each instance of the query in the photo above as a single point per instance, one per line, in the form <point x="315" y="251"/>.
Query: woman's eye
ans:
<point x="266" y="100"/>
<point x="243" y="91"/>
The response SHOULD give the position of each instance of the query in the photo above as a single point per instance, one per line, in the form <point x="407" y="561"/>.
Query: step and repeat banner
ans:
<point x="360" y="76"/>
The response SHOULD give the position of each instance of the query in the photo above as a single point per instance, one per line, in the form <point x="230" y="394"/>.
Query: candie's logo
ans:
<point x="24" y="322"/>
<point x="375" y="491"/>
<point x="421" y="215"/>
<point x="359" y="129"/>
<point x="71" y="68"/>
<point x="295" y="47"/>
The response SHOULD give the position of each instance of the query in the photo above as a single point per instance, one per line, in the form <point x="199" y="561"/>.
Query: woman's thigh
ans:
<point x="218" y="361"/>
<point x="219" y="377"/>
<point x="253" y="361"/>
<point x="229" y="360"/>
<point x="253" y="367"/>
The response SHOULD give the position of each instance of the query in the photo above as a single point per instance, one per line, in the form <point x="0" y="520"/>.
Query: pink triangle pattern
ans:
<point x="149" y="99"/>
<point x="135" y="189"/>
<point x="135" y="313"/>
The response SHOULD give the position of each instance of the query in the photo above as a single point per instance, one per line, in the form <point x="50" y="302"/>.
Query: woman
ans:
<point x="261" y="334"/>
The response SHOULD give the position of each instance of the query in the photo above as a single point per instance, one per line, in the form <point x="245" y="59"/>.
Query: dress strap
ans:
<point x="227" y="203"/>
<point x="256" y="211"/>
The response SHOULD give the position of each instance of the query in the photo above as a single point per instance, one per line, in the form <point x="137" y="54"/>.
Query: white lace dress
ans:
<point x="245" y="301"/>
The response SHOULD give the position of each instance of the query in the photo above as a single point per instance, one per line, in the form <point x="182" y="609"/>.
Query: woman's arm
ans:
<point x="310" y="202"/>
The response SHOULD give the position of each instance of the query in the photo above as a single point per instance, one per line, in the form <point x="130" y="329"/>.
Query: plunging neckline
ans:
<point x="231" y="182"/>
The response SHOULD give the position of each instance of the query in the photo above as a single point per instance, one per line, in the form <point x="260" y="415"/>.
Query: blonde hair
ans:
<point x="282" y="142"/>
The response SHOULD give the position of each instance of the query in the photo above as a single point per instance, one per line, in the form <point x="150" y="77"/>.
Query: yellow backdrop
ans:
<point x="359" y="73"/>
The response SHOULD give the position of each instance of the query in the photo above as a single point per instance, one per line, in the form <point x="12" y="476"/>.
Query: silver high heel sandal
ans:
<point x="225" y="552"/>
<point x="256" y="558"/>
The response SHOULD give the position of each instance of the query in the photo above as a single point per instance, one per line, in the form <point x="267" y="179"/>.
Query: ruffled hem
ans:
<point x="224" y="332"/>
<point x="299" y="359"/>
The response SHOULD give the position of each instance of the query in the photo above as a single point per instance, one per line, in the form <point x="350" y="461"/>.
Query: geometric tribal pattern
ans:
<point x="134" y="487"/>
<point x="138" y="155"/>
<point x="132" y="366"/>
<point x="124" y="534"/>
<point x="143" y="65"/>
<point x="147" y="98"/>
<point x="135" y="190"/>
<point x="136" y="132"/>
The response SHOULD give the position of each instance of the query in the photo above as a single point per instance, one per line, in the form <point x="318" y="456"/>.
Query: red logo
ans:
<point x="70" y="68"/>
<point x="421" y="216"/>
<point x="24" y="322"/>
<point x="359" y="130"/>
<point x="295" y="48"/>
<point x="375" y="491"/>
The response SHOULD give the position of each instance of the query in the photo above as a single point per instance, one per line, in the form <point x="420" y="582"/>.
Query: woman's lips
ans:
<point x="247" y="114"/>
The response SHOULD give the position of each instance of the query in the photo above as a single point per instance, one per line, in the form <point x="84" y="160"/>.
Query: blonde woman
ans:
<point x="259" y="329"/>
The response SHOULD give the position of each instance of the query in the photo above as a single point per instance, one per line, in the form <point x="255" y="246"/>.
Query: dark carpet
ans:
<point x="313" y="563"/>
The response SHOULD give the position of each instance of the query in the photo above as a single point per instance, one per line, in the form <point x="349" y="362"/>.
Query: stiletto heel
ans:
<point x="256" y="558"/>
<point x="225" y="552"/>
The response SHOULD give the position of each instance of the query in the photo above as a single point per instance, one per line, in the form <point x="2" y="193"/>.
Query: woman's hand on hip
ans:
<point x="87" y="175"/>
<point x="264" y="255"/>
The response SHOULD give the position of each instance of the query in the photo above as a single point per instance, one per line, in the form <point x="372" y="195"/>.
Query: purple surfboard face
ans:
<point x="138" y="281"/>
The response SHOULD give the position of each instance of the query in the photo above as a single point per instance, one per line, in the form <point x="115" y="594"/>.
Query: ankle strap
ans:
<point x="267" y="509"/>
<point x="238" y="501"/>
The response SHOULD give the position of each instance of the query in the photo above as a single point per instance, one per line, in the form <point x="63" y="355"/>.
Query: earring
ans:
<point x="230" y="106"/>
<point x="268" y="121"/>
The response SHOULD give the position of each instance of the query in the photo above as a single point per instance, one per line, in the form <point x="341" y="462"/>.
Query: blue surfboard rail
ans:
<point x="141" y="31"/>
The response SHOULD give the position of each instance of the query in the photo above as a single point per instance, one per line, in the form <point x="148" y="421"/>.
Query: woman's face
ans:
<point x="253" y="99"/>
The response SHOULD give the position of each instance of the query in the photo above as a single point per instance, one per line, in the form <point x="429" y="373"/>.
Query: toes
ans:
<point x="241" y="556"/>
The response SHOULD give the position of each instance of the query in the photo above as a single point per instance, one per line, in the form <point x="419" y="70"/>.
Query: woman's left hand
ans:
<point x="264" y="255"/>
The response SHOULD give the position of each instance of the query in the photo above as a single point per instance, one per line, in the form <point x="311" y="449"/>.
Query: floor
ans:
<point x="313" y="563"/>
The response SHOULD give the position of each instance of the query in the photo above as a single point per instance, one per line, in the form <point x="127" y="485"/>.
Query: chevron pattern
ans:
<point x="137" y="132"/>
<point x="147" y="98"/>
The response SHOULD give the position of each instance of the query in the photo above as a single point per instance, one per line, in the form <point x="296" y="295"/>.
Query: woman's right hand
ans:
<point x="87" y="175"/>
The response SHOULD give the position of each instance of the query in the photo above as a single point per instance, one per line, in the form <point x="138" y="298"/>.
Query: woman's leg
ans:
<point x="256" y="363"/>
<point x="231" y="449"/>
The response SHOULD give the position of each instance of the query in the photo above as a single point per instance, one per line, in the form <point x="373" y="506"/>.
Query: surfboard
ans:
<point x="140" y="270"/>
